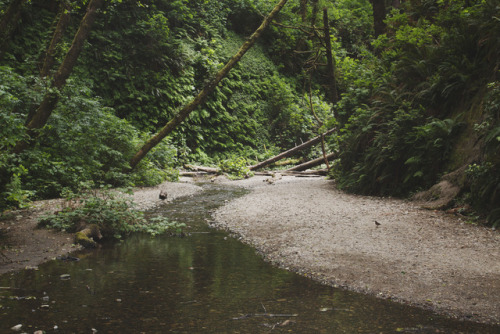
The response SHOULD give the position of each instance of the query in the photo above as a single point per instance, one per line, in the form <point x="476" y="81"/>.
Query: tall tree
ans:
<point x="206" y="91"/>
<point x="379" y="13"/>
<point x="49" y="102"/>
<point x="314" y="12"/>
<point x="303" y="9"/>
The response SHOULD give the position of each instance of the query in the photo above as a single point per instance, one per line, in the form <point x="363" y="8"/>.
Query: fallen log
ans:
<point x="312" y="163"/>
<point x="291" y="151"/>
<point x="202" y="169"/>
<point x="266" y="315"/>
<point x="192" y="174"/>
<point x="307" y="173"/>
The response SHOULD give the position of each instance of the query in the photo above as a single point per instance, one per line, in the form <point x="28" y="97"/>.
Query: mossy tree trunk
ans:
<point x="62" y="24"/>
<point x="206" y="91"/>
<point x="303" y="9"/>
<point x="379" y="13"/>
<point x="314" y="12"/>
<point x="42" y="113"/>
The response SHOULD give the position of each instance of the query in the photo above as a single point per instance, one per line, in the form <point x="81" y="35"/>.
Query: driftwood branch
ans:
<point x="266" y="315"/>
<point x="306" y="173"/>
<point x="192" y="174"/>
<point x="204" y="171"/>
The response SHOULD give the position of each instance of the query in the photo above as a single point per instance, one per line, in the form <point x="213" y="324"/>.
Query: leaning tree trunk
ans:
<point x="62" y="24"/>
<point x="332" y="94"/>
<point x="50" y="99"/>
<point x="206" y="91"/>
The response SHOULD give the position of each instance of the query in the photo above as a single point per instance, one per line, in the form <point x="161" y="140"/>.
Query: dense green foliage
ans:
<point x="435" y="79"/>
<point x="110" y="210"/>
<point x="236" y="168"/>
<point x="418" y="102"/>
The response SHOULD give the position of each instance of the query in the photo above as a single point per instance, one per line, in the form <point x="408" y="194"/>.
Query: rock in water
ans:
<point x="17" y="327"/>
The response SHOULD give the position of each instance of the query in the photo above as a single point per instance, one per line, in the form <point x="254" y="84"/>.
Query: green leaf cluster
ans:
<point x="111" y="210"/>
<point x="393" y="152"/>
<point x="402" y="117"/>
<point x="83" y="141"/>
<point x="235" y="167"/>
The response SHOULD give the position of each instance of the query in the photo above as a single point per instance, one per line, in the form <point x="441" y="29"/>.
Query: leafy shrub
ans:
<point x="393" y="153"/>
<point x="15" y="99"/>
<point x="82" y="141"/>
<point x="484" y="176"/>
<point x="401" y="119"/>
<point x="484" y="180"/>
<point x="236" y="168"/>
<point x="111" y="210"/>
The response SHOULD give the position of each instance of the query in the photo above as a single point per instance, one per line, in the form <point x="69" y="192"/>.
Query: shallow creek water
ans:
<point x="206" y="282"/>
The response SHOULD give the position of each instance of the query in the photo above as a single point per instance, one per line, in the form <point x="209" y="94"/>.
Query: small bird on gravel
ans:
<point x="377" y="224"/>
<point x="163" y="195"/>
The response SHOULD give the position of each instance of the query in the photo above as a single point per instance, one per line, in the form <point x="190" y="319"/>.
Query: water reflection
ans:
<point x="204" y="283"/>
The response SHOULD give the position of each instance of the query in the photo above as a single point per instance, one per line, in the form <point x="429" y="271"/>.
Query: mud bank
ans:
<point x="23" y="245"/>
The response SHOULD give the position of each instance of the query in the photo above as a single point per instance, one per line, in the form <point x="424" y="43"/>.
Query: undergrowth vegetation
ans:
<point x="436" y="78"/>
<point x="112" y="211"/>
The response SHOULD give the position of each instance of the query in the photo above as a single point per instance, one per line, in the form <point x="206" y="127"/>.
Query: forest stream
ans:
<point x="205" y="282"/>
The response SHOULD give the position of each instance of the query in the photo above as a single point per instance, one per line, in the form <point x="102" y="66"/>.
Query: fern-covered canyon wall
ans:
<point x="418" y="96"/>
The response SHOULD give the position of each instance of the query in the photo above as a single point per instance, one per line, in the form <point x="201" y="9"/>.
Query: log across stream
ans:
<point x="207" y="282"/>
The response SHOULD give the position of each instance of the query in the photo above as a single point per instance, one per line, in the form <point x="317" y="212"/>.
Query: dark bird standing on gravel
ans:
<point x="163" y="195"/>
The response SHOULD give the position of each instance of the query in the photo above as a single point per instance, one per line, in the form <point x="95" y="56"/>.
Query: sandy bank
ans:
<point x="415" y="256"/>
